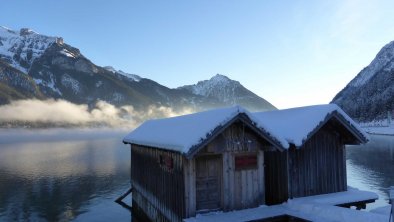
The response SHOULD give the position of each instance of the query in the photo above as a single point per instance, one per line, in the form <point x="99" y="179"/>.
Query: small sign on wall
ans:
<point x="166" y="162"/>
<point x="246" y="162"/>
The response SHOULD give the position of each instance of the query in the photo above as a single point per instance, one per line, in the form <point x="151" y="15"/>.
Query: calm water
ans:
<point x="75" y="175"/>
<point x="63" y="175"/>
<point x="371" y="167"/>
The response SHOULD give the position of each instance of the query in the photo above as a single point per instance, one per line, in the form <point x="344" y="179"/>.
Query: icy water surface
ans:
<point x="75" y="175"/>
<point x="371" y="167"/>
<point x="63" y="175"/>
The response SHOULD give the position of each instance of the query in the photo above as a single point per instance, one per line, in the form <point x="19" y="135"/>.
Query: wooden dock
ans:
<point x="312" y="208"/>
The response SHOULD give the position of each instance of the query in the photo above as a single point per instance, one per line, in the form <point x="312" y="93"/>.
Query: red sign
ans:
<point x="245" y="162"/>
<point x="167" y="162"/>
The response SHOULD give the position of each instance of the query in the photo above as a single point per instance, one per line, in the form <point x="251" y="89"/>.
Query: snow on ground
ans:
<point x="385" y="210"/>
<point x="351" y="195"/>
<point x="241" y="215"/>
<point x="314" y="208"/>
<point x="325" y="212"/>
<point x="380" y="130"/>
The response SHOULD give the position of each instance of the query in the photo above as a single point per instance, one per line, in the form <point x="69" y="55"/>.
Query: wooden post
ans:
<point x="391" y="196"/>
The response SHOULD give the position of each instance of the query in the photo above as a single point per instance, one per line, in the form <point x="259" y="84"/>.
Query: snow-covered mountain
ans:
<point x="38" y="66"/>
<point x="370" y="95"/>
<point x="132" y="77"/>
<point x="20" y="49"/>
<point x="229" y="91"/>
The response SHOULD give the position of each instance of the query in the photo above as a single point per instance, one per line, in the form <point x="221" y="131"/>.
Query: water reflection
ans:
<point x="63" y="179"/>
<point x="75" y="175"/>
<point x="371" y="166"/>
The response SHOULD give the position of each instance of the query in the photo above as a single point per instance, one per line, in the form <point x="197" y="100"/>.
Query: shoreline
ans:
<point x="380" y="130"/>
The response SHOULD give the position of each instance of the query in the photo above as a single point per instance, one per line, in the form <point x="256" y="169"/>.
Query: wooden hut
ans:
<point x="230" y="159"/>
<point x="315" y="161"/>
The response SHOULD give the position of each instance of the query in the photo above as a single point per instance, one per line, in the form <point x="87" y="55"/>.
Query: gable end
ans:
<point x="218" y="130"/>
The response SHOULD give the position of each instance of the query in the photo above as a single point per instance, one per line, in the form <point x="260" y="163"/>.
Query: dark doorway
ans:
<point x="276" y="184"/>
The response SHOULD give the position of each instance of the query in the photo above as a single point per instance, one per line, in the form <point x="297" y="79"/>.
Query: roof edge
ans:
<point x="348" y="125"/>
<point x="242" y="116"/>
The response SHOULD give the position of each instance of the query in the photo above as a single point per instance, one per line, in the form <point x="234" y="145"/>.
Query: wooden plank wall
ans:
<point x="209" y="176"/>
<point x="276" y="177"/>
<point x="160" y="192"/>
<point x="190" y="187"/>
<point x="241" y="188"/>
<point x="319" y="166"/>
<point x="249" y="186"/>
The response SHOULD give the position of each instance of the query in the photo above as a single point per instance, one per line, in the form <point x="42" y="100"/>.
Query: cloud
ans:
<point x="64" y="112"/>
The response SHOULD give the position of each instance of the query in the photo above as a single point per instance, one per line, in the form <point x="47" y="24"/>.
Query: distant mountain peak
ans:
<point x="215" y="83"/>
<point x="220" y="77"/>
<point x="20" y="49"/>
<point x="230" y="91"/>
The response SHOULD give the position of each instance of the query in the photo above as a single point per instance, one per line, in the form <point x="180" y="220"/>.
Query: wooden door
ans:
<point x="208" y="183"/>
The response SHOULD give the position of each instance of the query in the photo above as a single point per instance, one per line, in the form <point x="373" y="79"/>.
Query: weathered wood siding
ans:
<point x="190" y="187"/>
<point x="241" y="188"/>
<point x="209" y="182"/>
<point x="158" y="181"/>
<point x="319" y="166"/>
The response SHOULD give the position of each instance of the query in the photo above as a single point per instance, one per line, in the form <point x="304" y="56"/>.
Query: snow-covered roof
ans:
<point x="281" y="127"/>
<point x="184" y="132"/>
<point x="296" y="125"/>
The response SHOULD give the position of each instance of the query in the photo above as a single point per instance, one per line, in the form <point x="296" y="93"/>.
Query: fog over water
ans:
<point x="61" y="111"/>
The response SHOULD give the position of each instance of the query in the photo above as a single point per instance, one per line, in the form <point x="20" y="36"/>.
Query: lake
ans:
<point x="63" y="175"/>
<point x="75" y="175"/>
<point x="371" y="167"/>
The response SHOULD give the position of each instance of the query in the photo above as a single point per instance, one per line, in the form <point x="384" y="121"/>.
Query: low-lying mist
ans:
<point x="61" y="112"/>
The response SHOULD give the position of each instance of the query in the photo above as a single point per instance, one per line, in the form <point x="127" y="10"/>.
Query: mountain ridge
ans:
<point x="369" y="96"/>
<point x="38" y="66"/>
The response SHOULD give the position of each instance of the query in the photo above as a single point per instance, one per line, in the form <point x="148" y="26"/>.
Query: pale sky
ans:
<point x="292" y="53"/>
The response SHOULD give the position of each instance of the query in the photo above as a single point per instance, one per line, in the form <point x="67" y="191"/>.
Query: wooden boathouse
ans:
<point x="315" y="162"/>
<point x="231" y="159"/>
